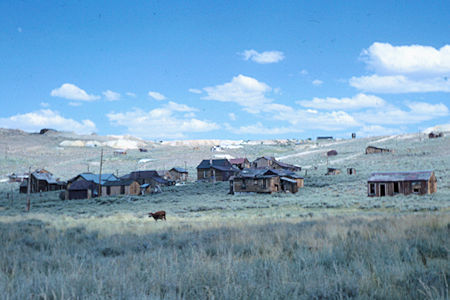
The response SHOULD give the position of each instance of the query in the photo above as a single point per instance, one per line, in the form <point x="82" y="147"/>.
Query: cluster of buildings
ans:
<point x="264" y="175"/>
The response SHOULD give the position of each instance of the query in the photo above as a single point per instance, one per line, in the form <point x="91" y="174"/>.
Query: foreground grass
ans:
<point x="337" y="258"/>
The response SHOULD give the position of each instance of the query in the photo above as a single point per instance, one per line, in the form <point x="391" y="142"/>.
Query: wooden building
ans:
<point x="42" y="180"/>
<point x="215" y="170"/>
<point x="265" y="181"/>
<point x="434" y="135"/>
<point x="272" y="163"/>
<point x="82" y="189"/>
<point x="240" y="163"/>
<point x="178" y="174"/>
<point x="392" y="183"/>
<point x="351" y="171"/>
<point x="121" y="187"/>
<point x="333" y="171"/>
<point x="332" y="153"/>
<point x="373" y="149"/>
<point x="149" y="176"/>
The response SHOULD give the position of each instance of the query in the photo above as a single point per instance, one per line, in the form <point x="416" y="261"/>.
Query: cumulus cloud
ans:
<point x="72" y="92"/>
<point x="156" y="96"/>
<point x="111" y="96"/>
<point x="47" y="118"/>
<point x="130" y="94"/>
<point x="265" y="57"/>
<point x="317" y="82"/>
<point x="232" y="116"/>
<point x="75" y="104"/>
<point x="161" y="122"/>
<point x="388" y="59"/>
<point x="357" y="102"/>
<point x="405" y="69"/>
<point x="45" y="104"/>
<point x="400" y="84"/>
<point x="417" y="112"/>
<point x="195" y="91"/>
<point x="260" y="129"/>
<point x="245" y="91"/>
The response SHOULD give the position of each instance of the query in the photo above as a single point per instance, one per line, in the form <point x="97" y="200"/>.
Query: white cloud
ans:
<point x="317" y="82"/>
<point x="161" y="122"/>
<point x="387" y="59"/>
<point x="245" y="91"/>
<point x="19" y="29"/>
<point x="72" y="92"/>
<point x="304" y="72"/>
<point x="400" y="84"/>
<point x="45" y="104"/>
<point x="195" y="91"/>
<point x="75" y="104"/>
<point x="130" y="94"/>
<point x="156" y="96"/>
<point x="179" y="107"/>
<point x="260" y="129"/>
<point x="232" y="116"/>
<point x="313" y="119"/>
<point x="418" y="112"/>
<point x="111" y="96"/>
<point x="265" y="57"/>
<point x="46" y="118"/>
<point x="377" y="130"/>
<point x="356" y="102"/>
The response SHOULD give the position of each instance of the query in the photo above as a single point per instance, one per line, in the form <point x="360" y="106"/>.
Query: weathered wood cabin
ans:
<point x="272" y="163"/>
<point x="121" y="187"/>
<point x="215" y="170"/>
<point x="240" y="163"/>
<point x="373" y="149"/>
<point x="150" y="176"/>
<point x="333" y="171"/>
<point x="265" y="181"/>
<point x="82" y="189"/>
<point x="435" y="135"/>
<point x="392" y="183"/>
<point x="42" y="180"/>
<point x="178" y="174"/>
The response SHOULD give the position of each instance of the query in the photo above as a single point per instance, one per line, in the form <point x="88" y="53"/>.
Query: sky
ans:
<point x="169" y="70"/>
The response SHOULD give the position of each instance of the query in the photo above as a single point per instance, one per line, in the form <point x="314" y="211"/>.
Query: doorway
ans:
<point x="382" y="190"/>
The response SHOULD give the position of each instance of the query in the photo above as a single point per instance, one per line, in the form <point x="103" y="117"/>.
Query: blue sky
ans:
<point x="225" y="69"/>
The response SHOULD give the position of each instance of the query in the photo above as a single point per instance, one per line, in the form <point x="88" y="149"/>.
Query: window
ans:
<point x="416" y="187"/>
<point x="108" y="190"/>
<point x="243" y="186"/>
<point x="122" y="189"/>
<point x="204" y="174"/>
<point x="255" y="182"/>
<point x="372" y="189"/>
<point x="264" y="183"/>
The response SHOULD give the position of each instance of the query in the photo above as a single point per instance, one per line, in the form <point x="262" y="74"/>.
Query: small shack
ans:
<point x="240" y="163"/>
<point x="333" y="171"/>
<point x="391" y="183"/>
<point x="332" y="153"/>
<point x="121" y="187"/>
<point x="435" y="135"/>
<point x="373" y="149"/>
<point x="42" y="180"/>
<point x="178" y="174"/>
<point x="82" y="189"/>
<point x="272" y="163"/>
<point x="351" y="171"/>
<point x="120" y="152"/>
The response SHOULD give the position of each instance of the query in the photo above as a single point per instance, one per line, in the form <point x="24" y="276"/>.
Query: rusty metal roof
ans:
<point x="400" y="176"/>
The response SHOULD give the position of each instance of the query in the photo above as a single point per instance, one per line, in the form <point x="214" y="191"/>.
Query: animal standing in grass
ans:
<point x="159" y="215"/>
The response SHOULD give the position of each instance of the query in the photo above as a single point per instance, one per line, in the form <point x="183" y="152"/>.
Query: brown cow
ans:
<point x="159" y="215"/>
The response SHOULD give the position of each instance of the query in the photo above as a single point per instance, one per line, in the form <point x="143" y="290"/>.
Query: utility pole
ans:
<point x="100" y="175"/>
<point x="28" y="189"/>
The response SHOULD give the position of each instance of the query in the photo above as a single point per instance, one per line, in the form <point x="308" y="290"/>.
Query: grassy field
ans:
<point x="328" y="241"/>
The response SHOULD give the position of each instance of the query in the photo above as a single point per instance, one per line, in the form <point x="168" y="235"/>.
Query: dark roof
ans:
<point x="45" y="176"/>
<point x="141" y="175"/>
<point x="95" y="177"/>
<point x="179" y="170"/>
<point x="265" y="173"/>
<point x="286" y="165"/>
<point x="282" y="172"/>
<point x="82" y="185"/>
<point x="267" y="158"/>
<point x="205" y="164"/>
<point x="121" y="182"/>
<point x="235" y="161"/>
<point x="400" y="176"/>
<point x="373" y="147"/>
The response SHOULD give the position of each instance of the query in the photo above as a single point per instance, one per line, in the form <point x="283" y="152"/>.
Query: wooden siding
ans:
<point x="419" y="187"/>
<point x="259" y="185"/>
